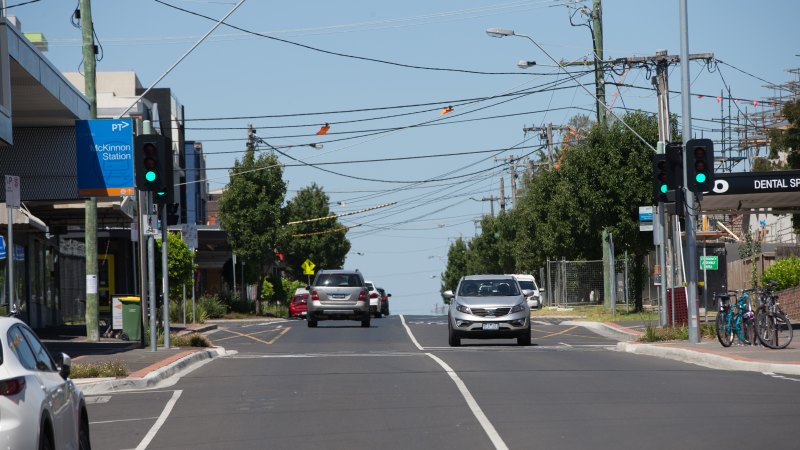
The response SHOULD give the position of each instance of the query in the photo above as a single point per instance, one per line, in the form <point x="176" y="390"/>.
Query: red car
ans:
<point x="298" y="307"/>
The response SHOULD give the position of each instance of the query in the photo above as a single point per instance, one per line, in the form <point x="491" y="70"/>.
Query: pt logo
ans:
<point x="720" y="186"/>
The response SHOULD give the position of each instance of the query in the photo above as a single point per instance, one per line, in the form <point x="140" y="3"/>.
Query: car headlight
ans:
<point x="462" y="308"/>
<point x="518" y="307"/>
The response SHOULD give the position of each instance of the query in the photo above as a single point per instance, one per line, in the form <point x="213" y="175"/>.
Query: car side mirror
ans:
<point x="308" y="288"/>
<point x="388" y="295"/>
<point x="64" y="363"/>
<point x="448" y="294"/>
<point x="527" y="292"/>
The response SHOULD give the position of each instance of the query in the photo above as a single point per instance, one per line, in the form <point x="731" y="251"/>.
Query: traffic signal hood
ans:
<point x="700" y="174"/>
<point x="659" y="178"/>
<point x="151" y="160"/>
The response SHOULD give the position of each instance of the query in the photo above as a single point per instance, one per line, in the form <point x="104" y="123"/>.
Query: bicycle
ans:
<point x="735" y="319"/>
<point x="773" y="327"/>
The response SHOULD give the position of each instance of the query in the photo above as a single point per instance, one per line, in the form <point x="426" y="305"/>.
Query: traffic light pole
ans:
<point x="691" y="213"/>
<point x="165" y="274"/>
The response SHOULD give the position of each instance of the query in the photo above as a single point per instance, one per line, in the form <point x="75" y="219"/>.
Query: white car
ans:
<point x="374" y="300"/>
<point x="528" y="282"/>
<point x="40" y="407"/>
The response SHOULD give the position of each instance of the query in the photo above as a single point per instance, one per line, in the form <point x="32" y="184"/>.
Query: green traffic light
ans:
<point x="700" y="178"/>
<point x="150" y="176"/>
<point x="663" y="188"/>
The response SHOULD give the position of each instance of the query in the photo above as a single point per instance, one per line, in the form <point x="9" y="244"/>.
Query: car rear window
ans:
<point x="338" y="279"/>
<point x="527" y="285"/>
<point x="488" y="288"/>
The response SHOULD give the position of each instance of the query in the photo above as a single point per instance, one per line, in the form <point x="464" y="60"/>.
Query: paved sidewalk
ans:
<point x="146" y="368"/>
<point x="709" y="352"/>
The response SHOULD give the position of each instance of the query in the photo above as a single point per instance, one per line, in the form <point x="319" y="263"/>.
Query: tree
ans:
<point x="456" y="265"/>
<point x="250" y="211"/>
<point x="179" y="264"/>
<point x="323" y="241"/>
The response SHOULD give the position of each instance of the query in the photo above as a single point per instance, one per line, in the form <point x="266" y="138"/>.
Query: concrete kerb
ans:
<point x="95" y="386"/>
<point x="705" y="359"/>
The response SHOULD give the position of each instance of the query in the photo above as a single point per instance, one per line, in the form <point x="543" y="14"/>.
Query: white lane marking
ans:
<point x="122" y="420"/>
<point x="160" y="422"/>
<point x="319" y="355"/>
<point x="488" y="428"/>
<point x="97" y="399"/>
<point x="781" y="377"/>
<point x="410" y="334"/>
<point x="564" y="344"/>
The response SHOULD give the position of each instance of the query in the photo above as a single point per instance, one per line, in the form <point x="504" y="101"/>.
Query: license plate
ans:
<point x="491" y="326"/>
<point x="338" y="296"/>
<point x="304" y="313"/>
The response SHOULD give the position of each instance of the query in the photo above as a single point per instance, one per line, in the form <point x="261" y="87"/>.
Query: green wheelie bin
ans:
<point x="131" y="318"/>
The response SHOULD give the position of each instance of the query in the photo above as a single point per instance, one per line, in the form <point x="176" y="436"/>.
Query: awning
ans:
<point x="22" y="216"/>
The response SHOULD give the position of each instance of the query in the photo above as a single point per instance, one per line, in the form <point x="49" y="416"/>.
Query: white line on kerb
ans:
<point x="161" y="419"/>
<point x="411" y="335"/>
<point x="498" y="442"/>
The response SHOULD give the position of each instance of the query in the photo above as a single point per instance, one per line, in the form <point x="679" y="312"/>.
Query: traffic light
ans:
<point x="165" y="195"/>
<point x="659" y="178"/>
<point x="674" y="154"/>
<point x="700" y="173"/>
<point x="150" y="154"/>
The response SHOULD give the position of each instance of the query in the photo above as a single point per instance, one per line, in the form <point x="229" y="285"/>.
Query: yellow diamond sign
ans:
<point x="308" y="267"/>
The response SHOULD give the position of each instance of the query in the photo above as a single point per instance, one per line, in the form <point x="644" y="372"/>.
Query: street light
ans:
<point x="503" y="32"/>
<point x="522" y="64"/>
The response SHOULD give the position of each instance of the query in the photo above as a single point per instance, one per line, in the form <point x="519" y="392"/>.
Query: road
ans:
<point x="397" y="385"/>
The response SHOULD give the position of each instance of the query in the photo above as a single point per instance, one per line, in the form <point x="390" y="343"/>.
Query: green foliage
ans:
<point x="681" y="333"/>
<point x="98" y="370"/>
<point x="212" y="305"/>
<point x="179" y="264"/>
<point x="176" y="312"/>
<point x="274" y="310"/>
<point x="788" y="139"/>
<point x="267" y="291"/>
<point x="456" y="265"/>
<point x="785" y="271"/>
<point x="189" y="340"/>
<point x="323" y="241"/>
<point x="289" y="287"/>
<point x="250" y="209"/>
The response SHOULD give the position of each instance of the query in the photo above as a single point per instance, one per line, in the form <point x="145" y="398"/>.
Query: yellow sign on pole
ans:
<point x="308" y="267"/>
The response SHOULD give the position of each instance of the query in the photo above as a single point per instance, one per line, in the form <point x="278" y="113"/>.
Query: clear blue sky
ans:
<point x="403" y="247"/>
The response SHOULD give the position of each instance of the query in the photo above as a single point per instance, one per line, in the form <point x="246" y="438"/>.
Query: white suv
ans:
<point x="528" y="282"/>
<point x="374" y="300"/>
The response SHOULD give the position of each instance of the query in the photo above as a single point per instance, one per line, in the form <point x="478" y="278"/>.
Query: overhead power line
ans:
<point x="336" y="216"/>
<point x="345" y="55"/>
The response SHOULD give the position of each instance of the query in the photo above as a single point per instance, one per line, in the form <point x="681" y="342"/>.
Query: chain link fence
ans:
<point x="580" y="283"/>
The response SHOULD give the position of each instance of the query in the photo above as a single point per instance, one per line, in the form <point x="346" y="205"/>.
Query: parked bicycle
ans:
<point x="735" y="319"/>
<point x="773" y="327"/>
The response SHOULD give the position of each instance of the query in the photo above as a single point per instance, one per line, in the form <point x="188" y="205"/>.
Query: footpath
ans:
<point x="147" y="368"/>
<point x="707" y="353"/>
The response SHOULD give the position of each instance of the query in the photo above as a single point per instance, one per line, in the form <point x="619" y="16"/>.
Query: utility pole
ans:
<point x="502" y="197"/>
<point x="664" y="134"/>
<point x="599" y="74"/>
<point x="548" y="130"/>
<point x="90" y="228"/>
<point x="512" y="161"/>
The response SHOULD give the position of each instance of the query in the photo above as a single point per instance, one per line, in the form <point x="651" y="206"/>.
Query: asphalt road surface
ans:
<point x="397" y="385"/>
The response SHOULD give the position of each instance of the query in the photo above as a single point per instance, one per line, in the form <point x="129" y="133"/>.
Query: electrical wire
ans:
<point x="345" y="55"/>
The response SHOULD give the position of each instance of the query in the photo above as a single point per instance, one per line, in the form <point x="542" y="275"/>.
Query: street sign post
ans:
<point x="12" y="203"/>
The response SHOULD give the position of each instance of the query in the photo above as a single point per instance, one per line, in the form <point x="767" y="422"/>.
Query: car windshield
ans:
<point x="338" y="279"/>
<point x="488" y="288"/>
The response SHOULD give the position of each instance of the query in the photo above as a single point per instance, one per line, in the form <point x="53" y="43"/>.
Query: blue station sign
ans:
<point x="104" y="157"/>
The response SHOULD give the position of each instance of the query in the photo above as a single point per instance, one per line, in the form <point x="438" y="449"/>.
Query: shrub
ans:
<point x="212" y="307"/>
<point x="267" y="290"/>
<point x="190" y="340"/>
<point x="95" y="370"/>
<point x="786" y="272"/>
<point x="176" y="311"/>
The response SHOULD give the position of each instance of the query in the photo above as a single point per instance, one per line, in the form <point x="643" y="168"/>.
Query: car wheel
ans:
<point x="45" y="440"/>
<point x="377" y="315"/>
<point x="525" y="337"/>
<point x="312" y="322"/>
<point x="84" y="443"/>
<point x="452" y="337"/>
<point x="365" y="322"/>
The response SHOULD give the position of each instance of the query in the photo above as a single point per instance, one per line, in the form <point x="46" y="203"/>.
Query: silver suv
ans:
<point x="488" y="307"/>
<point x="338" y="295"/>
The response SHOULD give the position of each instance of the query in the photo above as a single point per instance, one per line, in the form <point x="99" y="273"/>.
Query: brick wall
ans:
<point x="790" y="303"/>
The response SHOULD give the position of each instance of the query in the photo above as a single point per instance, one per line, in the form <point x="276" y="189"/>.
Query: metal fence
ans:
<point x="580" y="283"/>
